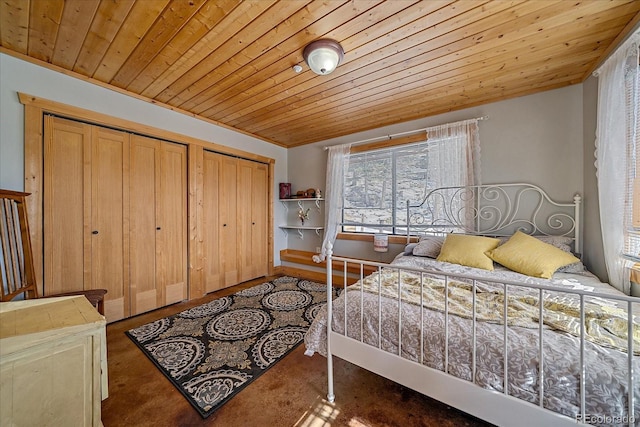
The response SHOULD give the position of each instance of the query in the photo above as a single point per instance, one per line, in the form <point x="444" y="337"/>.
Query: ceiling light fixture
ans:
<point x="323" y="56"/>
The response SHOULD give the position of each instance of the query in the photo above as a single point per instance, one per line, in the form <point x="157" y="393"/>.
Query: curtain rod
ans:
<point x="390" y="136"/>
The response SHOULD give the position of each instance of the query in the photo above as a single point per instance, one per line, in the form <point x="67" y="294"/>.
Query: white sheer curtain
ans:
<point x="456" y="150"/>
<point x="337" y="163"/>
<point x="459" y="155"/>
<point x="611" y="153"/>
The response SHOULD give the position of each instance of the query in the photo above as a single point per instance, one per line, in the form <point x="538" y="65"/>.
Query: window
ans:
<point x="632" y="193"/>
<point x="378" y="183"/>
<point x="616" y="149"/>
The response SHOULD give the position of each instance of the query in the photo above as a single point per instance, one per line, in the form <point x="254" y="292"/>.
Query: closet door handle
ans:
<point x="94" y="232"/>
<point x="224" y="225"/>
<point x="157" y="228"/>
<point x="253" y="223"/>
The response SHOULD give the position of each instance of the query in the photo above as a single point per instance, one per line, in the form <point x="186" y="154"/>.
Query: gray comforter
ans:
<point x="605" y="366"/>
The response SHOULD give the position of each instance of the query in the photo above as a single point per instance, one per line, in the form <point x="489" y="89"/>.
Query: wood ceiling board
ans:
<point x="229" y="61"/>
<point x="242" y="34"/>
<point x="285" y="82"/>
<point x="421" y="47"/>
<point x="44" y="20"/>
<point x="288" y="53"/>
<point x="204" y="20"/>
<point x="176" y="15"/>
<point x="452" y="73"/>
<point x="107" y="21"/>
<point x="441" y="52"/>
<point x="14" y="24"/>
<point x="77" y="17"/>
<point x="139" y="20"/>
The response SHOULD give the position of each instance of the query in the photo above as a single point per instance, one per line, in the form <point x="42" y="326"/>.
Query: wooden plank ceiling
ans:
<point x="230" y="61"/>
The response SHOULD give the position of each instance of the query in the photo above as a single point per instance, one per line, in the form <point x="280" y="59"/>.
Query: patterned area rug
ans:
<point x="212" y="351"/>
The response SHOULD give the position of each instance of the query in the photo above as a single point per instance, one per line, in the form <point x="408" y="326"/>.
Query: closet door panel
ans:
<point x="144" y="291"/>
<point x="67" y="152"/>
<point x="252" y="219"/>
<point x="110" y="219"/>
<point x="259" y="220"/>
<point x="171" y="226"/>
<point x="245" y="253"/>
<point x="228" y="221"/>
<point x="213" y="275"/>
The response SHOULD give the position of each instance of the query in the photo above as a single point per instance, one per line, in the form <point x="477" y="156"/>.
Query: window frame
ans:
<point x="396" y="230"/>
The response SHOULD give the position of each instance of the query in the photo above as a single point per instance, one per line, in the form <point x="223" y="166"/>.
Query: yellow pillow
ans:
<point x="528" y="255"/>
<point x="468" y="250"/>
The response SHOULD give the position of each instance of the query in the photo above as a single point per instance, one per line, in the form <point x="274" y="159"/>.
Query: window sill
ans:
<point x="366" y="237"/>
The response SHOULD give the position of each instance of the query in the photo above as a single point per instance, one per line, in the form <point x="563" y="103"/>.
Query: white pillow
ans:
<point x="429" y="246"/>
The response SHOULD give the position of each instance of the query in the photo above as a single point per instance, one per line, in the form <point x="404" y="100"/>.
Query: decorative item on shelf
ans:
<point x="311" y="192"/>
<point x="318" y="193"/>
<point x="380" y="242"/>
<point x="300" y="194"/>
<point x="303" y="214"/>
<point x="285" y="190"/>
<point x="323" y="56"/>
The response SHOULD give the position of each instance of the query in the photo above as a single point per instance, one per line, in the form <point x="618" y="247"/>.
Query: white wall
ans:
<point x="17" y="75"/>
<point x="535" y="139"/>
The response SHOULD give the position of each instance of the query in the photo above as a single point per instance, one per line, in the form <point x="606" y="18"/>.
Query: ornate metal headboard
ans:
<point x="495" y="210"/>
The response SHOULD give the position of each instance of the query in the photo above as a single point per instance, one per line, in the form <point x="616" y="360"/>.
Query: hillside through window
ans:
<point x="378" y="184"/>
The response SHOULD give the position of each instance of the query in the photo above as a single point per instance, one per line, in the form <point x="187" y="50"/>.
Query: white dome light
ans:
<point x="323" y="56"/>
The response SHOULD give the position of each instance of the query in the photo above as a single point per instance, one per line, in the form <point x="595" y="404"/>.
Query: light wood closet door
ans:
<point x="67" y="209"/>
<point x="228" y="220"/>
<point x="158" y="224"/>
<point x="86" y="223"/>
<point x="109" y="231"/>
<point x="213" y="275"/>
<point x="252" y="219"/>
<point x="172" y="222"/>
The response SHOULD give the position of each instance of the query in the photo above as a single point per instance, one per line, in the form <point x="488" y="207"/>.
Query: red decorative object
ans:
<point x="285" y="190"/>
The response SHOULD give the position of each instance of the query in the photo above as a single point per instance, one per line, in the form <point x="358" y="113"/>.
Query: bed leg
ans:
<point x="330" y="396"/>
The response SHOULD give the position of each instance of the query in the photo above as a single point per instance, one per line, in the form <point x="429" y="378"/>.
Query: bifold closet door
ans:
<point x="252" y="219"/>
<point x="158" y="224"/>
<point x="228" y="220"/>
<point x="86" y="207"/>
<point x="67" y="209"/>
<point x="235" y="206"/>
<point x="212" y="266"/>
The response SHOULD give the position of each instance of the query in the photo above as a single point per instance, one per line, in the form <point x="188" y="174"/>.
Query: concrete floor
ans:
<point x="291" y="393"/>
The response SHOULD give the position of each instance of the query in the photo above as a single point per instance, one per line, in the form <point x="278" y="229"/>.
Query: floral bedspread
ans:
<point x="606" y="359"/>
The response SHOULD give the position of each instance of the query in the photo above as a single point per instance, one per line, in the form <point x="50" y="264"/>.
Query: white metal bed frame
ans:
<point x="495" y="210"/>
<point x="490" y="405"/>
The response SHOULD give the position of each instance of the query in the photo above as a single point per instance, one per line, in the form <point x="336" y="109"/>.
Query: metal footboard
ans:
<point x="467" y="395"/>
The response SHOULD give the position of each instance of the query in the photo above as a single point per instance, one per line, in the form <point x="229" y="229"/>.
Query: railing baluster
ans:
<point x="344" y="291"/>
<point x="361" y="305"/>
<point x="446" y="324"/>
<point x="379" y="307"/>
<point x="421" y="318"/>
<point x="583" y="371"/>
<point x="399" y="315"/>
<point x="505" y="360"/>
<point x="540" y="351"/>
<point x="473" y="335"/>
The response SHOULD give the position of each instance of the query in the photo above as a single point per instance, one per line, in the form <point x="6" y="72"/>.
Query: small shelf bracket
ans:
<point x="285" y="229"/>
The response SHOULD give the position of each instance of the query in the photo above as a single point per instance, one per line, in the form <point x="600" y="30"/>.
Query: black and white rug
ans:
<point x="212" y="351"/>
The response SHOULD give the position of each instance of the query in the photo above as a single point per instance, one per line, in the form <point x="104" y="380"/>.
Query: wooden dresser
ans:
<point x="53" y="364"/>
